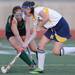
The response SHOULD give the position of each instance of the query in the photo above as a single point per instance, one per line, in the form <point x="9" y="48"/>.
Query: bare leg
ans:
<point x="15" y="43"/>
<point x="44" y="40"/>
<point x="41" y="52"/>
<point x="33" y="46"/>
<point x="57" y="48"/>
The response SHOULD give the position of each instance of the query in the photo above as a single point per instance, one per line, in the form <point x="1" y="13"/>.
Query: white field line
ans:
<point x="13" y="52"/>
<point x="5" y="46"/>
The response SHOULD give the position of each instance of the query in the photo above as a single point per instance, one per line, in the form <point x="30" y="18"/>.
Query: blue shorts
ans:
<point x="60" y="32"/>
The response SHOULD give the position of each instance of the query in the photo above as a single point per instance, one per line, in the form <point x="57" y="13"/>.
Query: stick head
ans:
<point x="3" y="70"/>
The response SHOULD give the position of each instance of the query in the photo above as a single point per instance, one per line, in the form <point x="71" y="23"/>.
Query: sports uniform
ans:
<point x="20" y="26"/>
<point x="22" y="31"/>
<point x="57" y="26"/>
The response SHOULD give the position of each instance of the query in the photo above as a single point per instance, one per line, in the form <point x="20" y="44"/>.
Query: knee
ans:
<point x="33" y="49"/>
<point x="56" y="52"/>
<point x="41" y="46"/>
<point x="40" y="50"/>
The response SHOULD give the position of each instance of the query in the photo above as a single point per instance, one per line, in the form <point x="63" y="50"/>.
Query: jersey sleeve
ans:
<point x="45" y="10"/>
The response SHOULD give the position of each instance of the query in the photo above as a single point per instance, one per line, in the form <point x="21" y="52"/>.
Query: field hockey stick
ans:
<point x="5" y="69"/>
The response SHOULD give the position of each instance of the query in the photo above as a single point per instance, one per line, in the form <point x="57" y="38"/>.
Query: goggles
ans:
<point x="18" y="15"/>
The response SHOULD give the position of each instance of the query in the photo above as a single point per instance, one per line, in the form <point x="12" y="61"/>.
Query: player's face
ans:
<point x="18" y="15"/>
<point x="27" y="11"/>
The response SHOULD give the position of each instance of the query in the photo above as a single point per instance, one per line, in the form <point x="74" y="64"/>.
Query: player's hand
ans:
<point x="25" y="45"/>
<point x="21" y="49"/>
<point x="38" y="28"/>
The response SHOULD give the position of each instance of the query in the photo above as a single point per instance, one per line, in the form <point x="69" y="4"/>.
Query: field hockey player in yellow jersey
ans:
<point x="57" y="29"/>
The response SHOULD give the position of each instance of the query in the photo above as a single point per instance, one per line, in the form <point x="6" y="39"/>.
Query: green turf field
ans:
<point x="55" y="65"/>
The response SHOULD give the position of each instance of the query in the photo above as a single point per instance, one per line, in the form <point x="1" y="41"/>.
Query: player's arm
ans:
<point x="33" y="35"/>
<point x="45" y="18"/>
<point x="29" y="37"/>
<point x="15" y="30"/>
<point x="27" y="25"/>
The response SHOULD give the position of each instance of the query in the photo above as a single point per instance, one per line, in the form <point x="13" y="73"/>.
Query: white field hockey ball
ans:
<point x="3" y="69"/>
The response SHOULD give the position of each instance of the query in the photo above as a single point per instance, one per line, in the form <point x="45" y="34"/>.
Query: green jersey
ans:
<point x="20" y="26"/>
